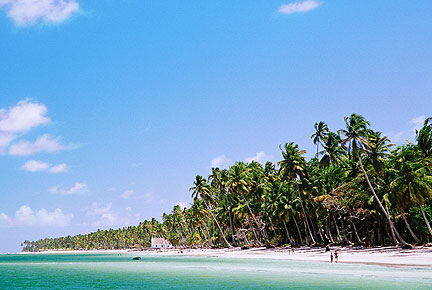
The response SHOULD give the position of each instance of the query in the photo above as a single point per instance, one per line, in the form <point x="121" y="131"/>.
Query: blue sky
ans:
<point x="108" y="109"/>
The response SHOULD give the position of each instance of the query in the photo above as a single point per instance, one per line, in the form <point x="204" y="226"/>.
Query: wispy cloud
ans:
<point x="34" y="165"/>
<point x="147" y="197"/>
<point x="105" y="215"/>
<point x="418" y="122"/>
<point x="407" y="134"/>
<point x="259" y="157"/>
<point x="127" y="193"/>
<point x="77" y="189"/>
<point x="20" y="119"/>
<point x="29" y="12"/>
<point x="299" y="7"/>
<point x="220" y="161"/>
<point x="44" y="143"/>
<point x="62" y="167"/>
<point x="25" y="216"/>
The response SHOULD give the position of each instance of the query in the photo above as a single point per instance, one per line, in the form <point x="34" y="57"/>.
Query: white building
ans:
<point x="160" y="243"/>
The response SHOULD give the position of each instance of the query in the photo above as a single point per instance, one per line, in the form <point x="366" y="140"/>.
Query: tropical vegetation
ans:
<point x="358" y="189"/>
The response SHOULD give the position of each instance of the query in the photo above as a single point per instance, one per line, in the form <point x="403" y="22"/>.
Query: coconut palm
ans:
<point x="202" y="189"/>
<point x="332" y="152"/>
<point x="356" y="133"/>
<point x="320" y="135"/>
<point x="412" y="180"/>
<point x="424" y="142"/>
<point x="219" y="180"/>
<point x="293" y="166"/>
<point x="240" y="183"/>
<point x="378" y="150"/>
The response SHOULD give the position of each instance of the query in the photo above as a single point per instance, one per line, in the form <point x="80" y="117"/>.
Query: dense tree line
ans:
<point x="358" y="188"/>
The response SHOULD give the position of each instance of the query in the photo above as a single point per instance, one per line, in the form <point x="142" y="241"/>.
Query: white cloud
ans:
<point x="299" y="7"/>
<point x="62" y="167"/>
<point x="44" y="143"/>
<point x="5" y="139"/>
<point x="98" y="209"/>
<point x="20" y="118"/>
<point x="147" y="197"/>
<point x="259" y="157"/>
<point x="24" y="116"/>
<point x="105" y="215"/>
<point x="417" y="123"/>
<point x="77" y="189"/>
<point x="25" y="216"/>
<point x="33" y="165"/>
<point x="28" y="12"/>
<point x="127" y="193"/>
<point x="4" y="218"/>
<point x="407" y="134"/>
<point x="220" y="161"/>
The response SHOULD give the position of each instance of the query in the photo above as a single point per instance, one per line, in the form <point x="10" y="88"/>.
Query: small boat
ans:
<point x="136" y="258"/>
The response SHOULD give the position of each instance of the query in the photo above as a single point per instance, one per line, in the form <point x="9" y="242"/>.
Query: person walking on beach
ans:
<point x="336" y="257"/>
<point x="331" y="257"/>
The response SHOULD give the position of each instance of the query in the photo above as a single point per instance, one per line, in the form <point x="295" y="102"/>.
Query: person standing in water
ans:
<point x="336" y="257"/>
<point x="331" y="257"/>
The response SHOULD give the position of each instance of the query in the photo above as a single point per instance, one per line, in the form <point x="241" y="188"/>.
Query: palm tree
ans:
<point x="412" y="180"/>
<point x="424" y="141"/>
<point x="219" y="180"/>
<point x="378" y="150"/>
<point x="332" y="152"/>
<point x="200" y="211"/>
<point x="201" y="188"/>
<point x="292" y="167"/>
<point x="356" y="133"/>
<point x="239" y="183"/>
<point x="320" y="135"/>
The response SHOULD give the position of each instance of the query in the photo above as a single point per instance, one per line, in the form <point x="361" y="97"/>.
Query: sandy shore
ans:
<point x="386" y="256"/>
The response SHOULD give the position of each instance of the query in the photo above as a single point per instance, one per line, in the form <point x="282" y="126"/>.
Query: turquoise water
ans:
<point x="104" y="271"/>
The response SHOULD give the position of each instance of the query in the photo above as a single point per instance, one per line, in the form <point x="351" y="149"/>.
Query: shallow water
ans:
<point x="111" y="271"/>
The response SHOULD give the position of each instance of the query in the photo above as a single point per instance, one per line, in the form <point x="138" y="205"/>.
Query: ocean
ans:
<point x="114" y="271"/>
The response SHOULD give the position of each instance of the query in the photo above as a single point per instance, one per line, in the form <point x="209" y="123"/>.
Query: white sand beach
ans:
<point x="386" y="256"/>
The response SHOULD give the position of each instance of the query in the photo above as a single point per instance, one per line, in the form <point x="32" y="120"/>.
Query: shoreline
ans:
<point x="419" y="257"/>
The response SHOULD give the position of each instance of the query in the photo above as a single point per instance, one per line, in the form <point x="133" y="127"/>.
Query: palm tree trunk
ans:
<point x="253" y="230"/>
<point x="298" y="230"/>
<point x="286" y="230"/>
<point x="304" y="214"/>
<point x="356" y="233"/>
<point x="256" y="222"/>
<point x="230" y="221"/>
<point x="200" y="229"/>
<point x="381" y="205"/>
<point x="416" y="239"/>
<point x="337" y="229"/>
<point x="425" y="219"/>
<point x="394" y="231"/>
<point x="329" y="231"/>
<point x="272" y="225"/>
<point x="245" y="238"/>
<point x="391" y="229"/>
<point x="318" y="225"/>
<point x="222" y="233"/>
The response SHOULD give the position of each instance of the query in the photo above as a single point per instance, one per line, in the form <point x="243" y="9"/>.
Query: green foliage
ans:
<point x="294" y="201"/>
